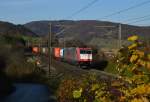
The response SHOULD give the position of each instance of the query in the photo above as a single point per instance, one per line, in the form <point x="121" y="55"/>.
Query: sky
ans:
<point x="24" y="11"/>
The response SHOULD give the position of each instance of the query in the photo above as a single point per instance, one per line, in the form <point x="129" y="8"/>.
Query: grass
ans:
<point x="111" y="68"/>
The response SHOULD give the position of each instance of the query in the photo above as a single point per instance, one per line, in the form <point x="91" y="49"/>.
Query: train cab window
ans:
<point x="85" y="51"/>
<point x="82" y="51"/>
<point x="89" y="52"/>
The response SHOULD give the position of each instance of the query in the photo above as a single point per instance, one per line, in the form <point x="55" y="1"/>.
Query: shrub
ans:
<point x="5" y="84"/>
<point x="17" y="68"/>
<point x="133" y="84"/>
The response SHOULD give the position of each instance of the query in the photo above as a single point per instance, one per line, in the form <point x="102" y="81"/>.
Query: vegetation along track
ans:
<point x="63" y="69"/>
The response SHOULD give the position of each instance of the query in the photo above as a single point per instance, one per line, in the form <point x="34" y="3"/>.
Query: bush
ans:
<point x="20" y="70"/>
<point x="17" y="68"/>
<point x="89" y="88"/>
<point x="78" y="90"/>
<point x="5" y="84"/>
<point x="133" y="84"/>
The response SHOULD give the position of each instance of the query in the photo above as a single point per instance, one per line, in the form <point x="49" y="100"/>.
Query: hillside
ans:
<point x="7" y="28"/>
<point x="88" y="27"/>
<point x="88" y="31"/>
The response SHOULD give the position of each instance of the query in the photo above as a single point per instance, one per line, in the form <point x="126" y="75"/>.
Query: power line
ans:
<point x="144" y="24"/>
<point x="77" y="12"/>
<point x="83" y="8"/>
<point x="133" y="19"/>
<point x="66" y="27"/>
<point x="146" y="19"/>
<point x="127" y="9"/>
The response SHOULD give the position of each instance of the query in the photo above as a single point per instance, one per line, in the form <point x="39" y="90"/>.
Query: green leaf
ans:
<point x="145" y="70"/>
<point x="127" y="73"/>
<point x="94" y="87"/>
<point x="97" y="100"/>
<point x="77" y="94"/>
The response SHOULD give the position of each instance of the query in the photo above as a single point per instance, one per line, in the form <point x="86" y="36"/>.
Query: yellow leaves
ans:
<point x="133" y="38"/>
<point x="148" y="56"/>
<point x="141" y="62"/>
<point x="99" y="94"/>
<point x="116" y="83"/>
<point x="77" y="93"/>
<point x="147" y="88"/>
<point x="137" y="100"/>
<point x="94" y="87"/>
<point x="135" y="65"/>
<point x="126" y="93"/>
<point x="133" y="58"/>
<point x="138" y="56"/>
<point x="134" y="84"/>
<point x="85" y="100"/>
<point x="128" y="80"/>
<point x="122" y="99"/>
<point x="132" y="46"/>
<point x="140" y="53"/>
<point x="104" y="99"/>
<point x="138" y="91"/>
<point x="141" y="99"/>
<point x="141" y="90"/>
<point x="145" y="99"/>
<point x="148" y="65"/>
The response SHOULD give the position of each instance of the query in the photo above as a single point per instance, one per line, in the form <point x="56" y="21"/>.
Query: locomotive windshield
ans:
<point x="85" y="52"/>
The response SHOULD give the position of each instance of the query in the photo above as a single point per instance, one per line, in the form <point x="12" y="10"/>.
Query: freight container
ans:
<point x="36" y="50"/>
<point x="44" y="50"/>
<point x="56" y="52"/>
<point x="62" y="53"/>
<point x="70" y="55"/>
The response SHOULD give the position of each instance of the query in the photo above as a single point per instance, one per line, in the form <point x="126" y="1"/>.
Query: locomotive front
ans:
<point x="84" y="56"/>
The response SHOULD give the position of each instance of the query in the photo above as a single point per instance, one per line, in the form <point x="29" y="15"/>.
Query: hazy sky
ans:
<point x="23" y="11"/>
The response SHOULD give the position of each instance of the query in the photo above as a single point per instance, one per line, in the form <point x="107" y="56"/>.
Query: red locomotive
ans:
<point x="78" y="56"/>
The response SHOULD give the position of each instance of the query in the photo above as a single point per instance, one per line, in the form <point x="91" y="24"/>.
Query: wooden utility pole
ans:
<point x="49" y="48"/>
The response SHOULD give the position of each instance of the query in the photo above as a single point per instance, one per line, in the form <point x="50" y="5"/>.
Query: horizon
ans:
<point x="74" y="21"/>
<point x="25" y="11"/>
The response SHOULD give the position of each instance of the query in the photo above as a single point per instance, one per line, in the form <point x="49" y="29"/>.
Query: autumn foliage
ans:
<point x="132" y="84"/>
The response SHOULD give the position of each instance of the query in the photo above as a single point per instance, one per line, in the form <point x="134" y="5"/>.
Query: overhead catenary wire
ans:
<point x="136" y="18"/>
<point x="112" y="14"/>
<point x="77" y="12"/>
<point x="127" y="9"/>
<point x="82" y="9"/>
<point x="137" y="21"/>
<point x="67" y="27"/>
<point x="143" y="23"/>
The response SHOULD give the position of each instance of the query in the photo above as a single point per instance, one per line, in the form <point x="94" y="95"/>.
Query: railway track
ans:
<point x="62" y="69"/>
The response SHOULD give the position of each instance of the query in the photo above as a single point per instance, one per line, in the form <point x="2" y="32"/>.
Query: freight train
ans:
<point x="73" y="55"/>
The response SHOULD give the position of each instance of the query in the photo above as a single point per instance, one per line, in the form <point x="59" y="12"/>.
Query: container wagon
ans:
<point x="56" y="53"/>
<point x="35" y="50"/>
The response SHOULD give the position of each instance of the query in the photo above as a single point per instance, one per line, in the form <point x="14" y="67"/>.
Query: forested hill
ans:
<point x="86" y="29"/>
<point x="7" y="28"/>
